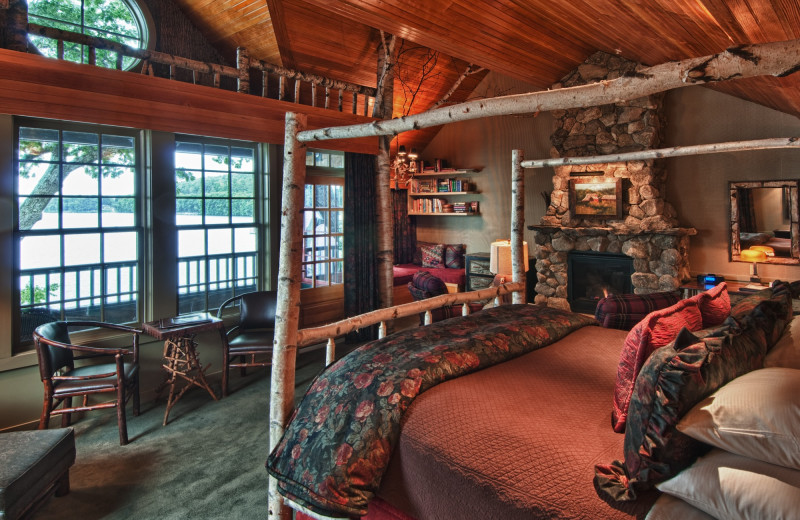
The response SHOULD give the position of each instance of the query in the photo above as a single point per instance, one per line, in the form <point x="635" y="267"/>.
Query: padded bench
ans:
<point x="33" y="464"/>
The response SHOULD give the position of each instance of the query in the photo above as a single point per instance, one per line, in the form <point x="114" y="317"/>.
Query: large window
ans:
<point x="121" y="21"/>
<point x="78" y="225"/>
<point x="216" y="215"/>
<point x="323" y="227"/>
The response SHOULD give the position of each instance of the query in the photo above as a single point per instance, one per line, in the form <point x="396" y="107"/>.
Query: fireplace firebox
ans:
<point x="592" y="276"/>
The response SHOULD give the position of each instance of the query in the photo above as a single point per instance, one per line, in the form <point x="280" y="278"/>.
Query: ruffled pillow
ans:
<point x="656" y="330"/>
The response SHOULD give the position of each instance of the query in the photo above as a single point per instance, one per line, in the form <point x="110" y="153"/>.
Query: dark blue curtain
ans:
<point x="360" y="241"/>
<point x="405" y="228"/>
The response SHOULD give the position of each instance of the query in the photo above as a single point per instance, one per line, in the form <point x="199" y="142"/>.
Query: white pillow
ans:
<point x="730" y="486"/>
<point x="668" y="507"/>
<point x="786" y="351"/>
<point x="756" y="415"/>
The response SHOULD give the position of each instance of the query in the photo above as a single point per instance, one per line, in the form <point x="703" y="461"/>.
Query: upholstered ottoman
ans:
<point x="33" y="464"/>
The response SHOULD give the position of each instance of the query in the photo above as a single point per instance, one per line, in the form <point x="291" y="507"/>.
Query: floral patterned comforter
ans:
<point x="338" y="442"/>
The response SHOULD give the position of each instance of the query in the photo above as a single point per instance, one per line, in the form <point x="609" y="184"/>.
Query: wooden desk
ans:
<point x="180" y="353"/>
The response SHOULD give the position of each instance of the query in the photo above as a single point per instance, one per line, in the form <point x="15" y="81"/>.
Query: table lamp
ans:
<point x="754" y="256"/>
<point x="500" y="258"/>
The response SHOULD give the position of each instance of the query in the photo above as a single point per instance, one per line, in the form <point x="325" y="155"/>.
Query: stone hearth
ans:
<point x="648" y="230"/>
<point x="660" y="259"/>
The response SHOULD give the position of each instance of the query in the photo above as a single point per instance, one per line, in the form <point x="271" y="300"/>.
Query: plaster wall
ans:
<point x="697" y="186"/>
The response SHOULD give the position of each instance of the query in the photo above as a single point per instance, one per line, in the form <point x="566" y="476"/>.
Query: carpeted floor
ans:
<point x="206" y="463"/>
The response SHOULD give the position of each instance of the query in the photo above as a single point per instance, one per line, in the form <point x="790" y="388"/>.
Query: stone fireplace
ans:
<point x="594" y="275"/>
<point x="648" y="231"/>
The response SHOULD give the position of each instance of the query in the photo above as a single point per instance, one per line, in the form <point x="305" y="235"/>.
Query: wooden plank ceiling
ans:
<point x="536" y="41"/>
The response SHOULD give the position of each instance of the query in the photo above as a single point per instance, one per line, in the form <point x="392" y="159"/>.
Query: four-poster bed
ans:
<point x="774" y="58"/>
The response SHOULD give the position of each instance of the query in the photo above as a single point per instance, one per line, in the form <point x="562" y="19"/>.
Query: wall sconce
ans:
<point x="500" y="258"/>
<point x="404" y="165"/>
<point x="754" y="256"/>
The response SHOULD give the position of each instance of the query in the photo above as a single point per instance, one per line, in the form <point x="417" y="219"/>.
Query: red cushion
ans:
<point x="714" y="305"/>
<point x="656" y="330"/>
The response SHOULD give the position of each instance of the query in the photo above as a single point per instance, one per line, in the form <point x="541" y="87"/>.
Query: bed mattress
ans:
<point x="515" y="441"/>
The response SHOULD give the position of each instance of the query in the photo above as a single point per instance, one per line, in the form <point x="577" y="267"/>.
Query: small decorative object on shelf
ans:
<point x="404" y="166"/>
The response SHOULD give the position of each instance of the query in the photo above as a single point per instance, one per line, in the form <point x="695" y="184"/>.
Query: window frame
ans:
<point x="328" y="261"/>
<point x="137" y="8"/>
<point x="258" y="223"/>
<point x="17" y="347"/>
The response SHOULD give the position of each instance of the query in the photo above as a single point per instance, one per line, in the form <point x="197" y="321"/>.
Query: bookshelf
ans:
<point x="429" y="192"/>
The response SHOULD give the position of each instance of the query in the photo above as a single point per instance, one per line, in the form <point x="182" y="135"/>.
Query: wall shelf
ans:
<point x="442" y="214"/>
<point x="429" y="191"/>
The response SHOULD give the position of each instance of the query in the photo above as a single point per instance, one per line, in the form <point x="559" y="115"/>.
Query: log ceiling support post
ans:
<point x="287" y="317"/>
<point x="382" y="108"/>
<point x="517" y="223"/>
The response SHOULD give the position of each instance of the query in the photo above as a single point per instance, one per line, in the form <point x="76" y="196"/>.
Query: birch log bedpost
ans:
<point x="384" y="97"/>
<point x="287" y="317"/>
<point x="517" y="223"/>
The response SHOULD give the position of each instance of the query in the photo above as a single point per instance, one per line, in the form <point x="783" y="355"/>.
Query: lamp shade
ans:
<point x="753" y="255"/>
<point x="767" y="250"/>
<point x="500" y="256"/>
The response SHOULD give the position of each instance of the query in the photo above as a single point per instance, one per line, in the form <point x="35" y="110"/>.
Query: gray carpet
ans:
<point x="206" y="463"/>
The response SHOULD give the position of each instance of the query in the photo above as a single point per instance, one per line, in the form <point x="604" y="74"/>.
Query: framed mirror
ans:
<point x="765" y="213"/>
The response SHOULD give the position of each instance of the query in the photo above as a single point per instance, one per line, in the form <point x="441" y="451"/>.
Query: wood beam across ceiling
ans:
<point x="281" y="34"/>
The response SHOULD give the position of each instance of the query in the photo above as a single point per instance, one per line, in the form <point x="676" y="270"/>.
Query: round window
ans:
<point x="122" y="21"/>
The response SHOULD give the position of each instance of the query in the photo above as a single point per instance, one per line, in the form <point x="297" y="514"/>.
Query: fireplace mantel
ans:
<point x="603" y="231"/>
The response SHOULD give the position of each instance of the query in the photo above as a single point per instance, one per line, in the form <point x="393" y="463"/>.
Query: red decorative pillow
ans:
<point x="714" y="304"/>
<point x="454" y="256"/>
<point x="417" y="257"/>
<point x="432" y="255"/>
<point x="656" y="330"/>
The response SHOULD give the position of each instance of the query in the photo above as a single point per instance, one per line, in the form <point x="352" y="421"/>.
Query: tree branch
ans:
<point x="467" y="72"/>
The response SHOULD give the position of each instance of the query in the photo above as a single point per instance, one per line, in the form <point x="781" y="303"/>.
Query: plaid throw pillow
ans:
<point x="623" y="311"/>
<point x="429" y="283"/>
<point x="432" y="256"/>
<point x="454" y="256"/>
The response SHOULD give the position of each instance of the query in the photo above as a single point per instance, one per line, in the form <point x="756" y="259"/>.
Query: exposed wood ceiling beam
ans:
<point x="281" y="34"/>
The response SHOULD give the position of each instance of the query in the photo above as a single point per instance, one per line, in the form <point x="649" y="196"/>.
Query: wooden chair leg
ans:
<point x="66" y="419"/>
<point x="44" y="420"/>
<point x="121" y="420"/>
<point x="243" y="369"/>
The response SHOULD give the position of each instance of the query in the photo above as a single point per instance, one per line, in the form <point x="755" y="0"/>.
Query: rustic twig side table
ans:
<point x="180" y="353"/>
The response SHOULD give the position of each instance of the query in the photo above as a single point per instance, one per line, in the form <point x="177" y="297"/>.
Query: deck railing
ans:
<point x="240" y="74"/>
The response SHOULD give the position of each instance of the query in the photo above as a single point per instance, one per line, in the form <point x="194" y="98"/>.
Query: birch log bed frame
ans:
<point x="776" y="59"/>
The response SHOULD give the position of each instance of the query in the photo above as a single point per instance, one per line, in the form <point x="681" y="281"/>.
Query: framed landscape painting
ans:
<point x="595" y="199"/>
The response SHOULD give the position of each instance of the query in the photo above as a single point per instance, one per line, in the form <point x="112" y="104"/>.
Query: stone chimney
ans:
<point x="648" y="230"/>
